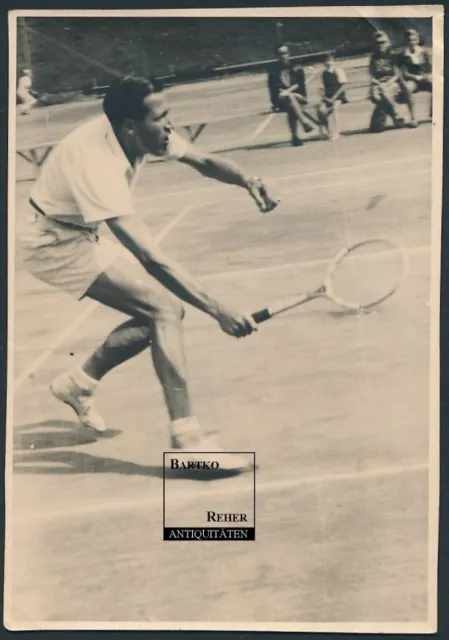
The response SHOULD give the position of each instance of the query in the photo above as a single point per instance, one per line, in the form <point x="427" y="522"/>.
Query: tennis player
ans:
<point x="25" y="92"/>
<point x="86" y="181"/>
<point x="416" y="68"/>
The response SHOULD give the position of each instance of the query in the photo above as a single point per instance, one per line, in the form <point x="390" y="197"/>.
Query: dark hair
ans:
<point x="124" y="99"/>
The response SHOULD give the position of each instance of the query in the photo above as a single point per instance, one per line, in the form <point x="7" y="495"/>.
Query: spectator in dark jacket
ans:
<point x="288" y="92"/>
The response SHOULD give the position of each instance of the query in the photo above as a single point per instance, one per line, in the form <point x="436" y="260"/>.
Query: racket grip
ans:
<point x="261" y="316"/>
<point x="270" y="204"/>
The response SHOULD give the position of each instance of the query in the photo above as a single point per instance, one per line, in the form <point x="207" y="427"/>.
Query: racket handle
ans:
<point x="261" y="316"/>
<point x="269" y="204"/>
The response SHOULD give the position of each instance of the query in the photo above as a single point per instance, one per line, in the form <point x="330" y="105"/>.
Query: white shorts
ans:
<point x="69" y="259"/>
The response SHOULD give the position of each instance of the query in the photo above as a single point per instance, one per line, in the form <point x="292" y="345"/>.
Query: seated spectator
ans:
<point x="386" y="90"/>
<point x="333" y="92"/>
<point x="416" y="69"/>
<point x="288" y="93"/>
<point x="25" y="92"/>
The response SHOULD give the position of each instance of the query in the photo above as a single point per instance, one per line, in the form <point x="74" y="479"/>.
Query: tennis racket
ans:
<point x="358" y="278"/>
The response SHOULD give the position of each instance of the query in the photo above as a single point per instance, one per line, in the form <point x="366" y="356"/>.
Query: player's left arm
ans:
<point x="219" y="168"/>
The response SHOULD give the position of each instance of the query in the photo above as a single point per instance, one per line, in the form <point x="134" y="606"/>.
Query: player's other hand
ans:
<point x="234" y="323"/>
<point x="258" y="191"/>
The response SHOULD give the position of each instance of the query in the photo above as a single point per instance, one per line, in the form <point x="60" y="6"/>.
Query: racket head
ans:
<point x="365" y="274"/>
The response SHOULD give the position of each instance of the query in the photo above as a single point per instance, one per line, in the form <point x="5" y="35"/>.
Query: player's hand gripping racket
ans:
<point x="258" y="191"/>
<point x="358" y="278"/>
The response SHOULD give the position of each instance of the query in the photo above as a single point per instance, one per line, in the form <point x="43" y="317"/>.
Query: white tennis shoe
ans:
<point x="64" y="388"/>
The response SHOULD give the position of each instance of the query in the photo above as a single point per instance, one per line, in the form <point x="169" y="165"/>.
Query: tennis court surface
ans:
<point x="335" y="406"/>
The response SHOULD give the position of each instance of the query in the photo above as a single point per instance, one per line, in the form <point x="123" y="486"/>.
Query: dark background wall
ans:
<point x="70" y="54"/>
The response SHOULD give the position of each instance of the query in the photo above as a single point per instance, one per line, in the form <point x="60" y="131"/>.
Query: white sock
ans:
<point x="82" y="379"/>
<point x="185" y="425"/>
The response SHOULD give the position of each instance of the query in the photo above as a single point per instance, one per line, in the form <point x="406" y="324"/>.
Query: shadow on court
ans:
<point x="388" y="128"/>
<point x="76" y="462"/>
<point x="52" y="434"/>
<point x="316" y="137"/>
<point x="255" y="147"/>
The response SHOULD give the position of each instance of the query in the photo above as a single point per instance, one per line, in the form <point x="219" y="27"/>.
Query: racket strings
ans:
<point x="367" y="274"/>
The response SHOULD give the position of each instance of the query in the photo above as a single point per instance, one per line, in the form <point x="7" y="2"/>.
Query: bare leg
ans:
<point x="298" y="108"/>
<point x="291" y="117"/>
<point x="130" y="339"/>
<point x="158" y="311"/>
<point x="156" y="319"/>
<point x="124" y="342"/>
<point x="296" y="114"/>
<point x="322" y="119"/>
<point x="292" y="124"/>
<point x="171" y="367"/>
<point x="409" y="101"/>
<point x="390" y="107"/>
<point x="335" y="129"/>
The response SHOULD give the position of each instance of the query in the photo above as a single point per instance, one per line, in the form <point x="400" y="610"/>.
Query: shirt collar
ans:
<point x="116" y="149"/>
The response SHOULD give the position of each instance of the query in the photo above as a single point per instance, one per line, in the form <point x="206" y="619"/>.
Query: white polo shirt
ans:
<point x="87" y="178"/>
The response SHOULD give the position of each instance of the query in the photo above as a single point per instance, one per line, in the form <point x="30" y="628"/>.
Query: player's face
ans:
<point x="329" y="64"/>
<point x="152" y="133"/>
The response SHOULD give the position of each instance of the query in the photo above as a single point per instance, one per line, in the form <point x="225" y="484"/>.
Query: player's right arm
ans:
<point x="137" y="238"/>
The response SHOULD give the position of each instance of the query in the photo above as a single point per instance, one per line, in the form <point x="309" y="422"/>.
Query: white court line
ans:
<point x="220" y="275"/>
<point x="176" y="220"/>
<point x="261" y="127"/>
<point x="225" y="489"/>
<point x="264" y="124"/>
<point x="299" y="175"/>
<point x="72" y="327"/>
<point x="62" y="337"/>
<point x="390" y="177"/>
<point x="411" y="251"/>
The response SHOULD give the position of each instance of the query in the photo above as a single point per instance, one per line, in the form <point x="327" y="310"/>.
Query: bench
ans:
<point x="36" y="154"/>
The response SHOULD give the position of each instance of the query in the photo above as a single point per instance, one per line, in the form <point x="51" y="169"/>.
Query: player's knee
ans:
<point x="143" y="333"/>
<point x="170" y="309"/>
